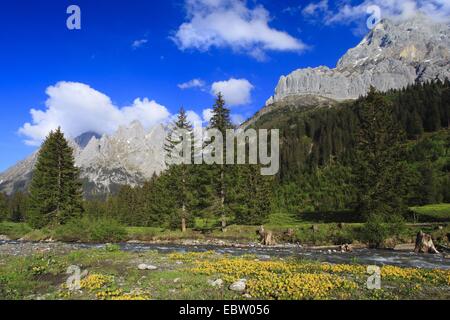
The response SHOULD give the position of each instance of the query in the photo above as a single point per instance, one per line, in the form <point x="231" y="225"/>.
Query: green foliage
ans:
<point x="74" y="230"/>
<point x="18" y="206"/>
<point x="376" y="231"/>
<point x="179" y="175"/>
<point x="14" y="230"/>
<point x="55" y="192"/>
<point x="3" y="207"/>
<point x="91" y="230"/>
<point x="107" y="230"/>
<point x="431" y="213"/>
<point x="252" y="195"/>
<point x="221" y="175"/>
<point x="379" y="167"/>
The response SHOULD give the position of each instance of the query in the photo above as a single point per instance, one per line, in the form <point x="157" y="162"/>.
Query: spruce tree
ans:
<point x="379" y="167"/>
<point x="3" y="206"/>
<point x="55" y="190"/>
<point x="251" y="196"/>
<point x="18" y="207"/>
<point x="179" y="174"/>
<point x="221" y="121"/>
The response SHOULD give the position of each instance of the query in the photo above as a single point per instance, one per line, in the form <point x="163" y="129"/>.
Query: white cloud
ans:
<point x="194" y="83"/>
<point x="207" y="115"/>
<point x="237" y="119"/>
<point x="345" y="13"/>
<point x="314" y="8"/>
<point x="236" y="92"/>
<point x="139" y="43"/>
<point x="78" y="108"/>
<point x="232" y="24"/>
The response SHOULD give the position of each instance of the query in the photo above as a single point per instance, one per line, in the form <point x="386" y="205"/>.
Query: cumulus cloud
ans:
<point x="207" y="115"/>
<point x="139" y="43"/>
<point x="236" y="92"/>
<point x="78" y="108"/>
<point x="345" y="13"/>
<point x="232" y="24"/>
<point x="194" y="83"/>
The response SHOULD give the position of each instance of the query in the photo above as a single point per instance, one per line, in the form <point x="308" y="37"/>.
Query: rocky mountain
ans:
<point x="129" y="156"/>
<point x="83" y="139"/>
<point x="391" y="56"/>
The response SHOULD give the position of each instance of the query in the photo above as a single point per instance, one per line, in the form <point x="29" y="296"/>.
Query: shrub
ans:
<point x="91" y="230"/>
<point x="74" y="230"/>
<point x="375" y="232"/>
<point x="14" y="230"/>
<point x="108" y="230"/>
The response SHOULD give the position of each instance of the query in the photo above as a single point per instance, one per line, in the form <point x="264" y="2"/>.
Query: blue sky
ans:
<point x="131" y="49"/>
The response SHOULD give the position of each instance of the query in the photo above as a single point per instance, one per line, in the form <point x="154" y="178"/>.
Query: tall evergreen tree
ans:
<point x="221" y="121"/>
<point x="3" y="206"/>
<point x="179" y="140"/>
<point x="379" y="169"/>
<point x="55" y="190"/>
<point x="252" y="195"/>
<point x="18" y="204"/>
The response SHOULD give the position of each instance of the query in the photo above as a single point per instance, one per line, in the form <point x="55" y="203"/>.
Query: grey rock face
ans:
<point x="392" y="56"/>
<point x="128" y="157"/>
<point x="239" y="286"/>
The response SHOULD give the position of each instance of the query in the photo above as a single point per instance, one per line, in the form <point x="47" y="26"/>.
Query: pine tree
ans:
<point x="428" y="186"/>
<point x="18" y="207"/>
<point x="3" y="206"/>
<point x="222" y="122"/>
<point x="180" y="174"/>
<point x="252" y="195"/>
<point x="55" y="190"/>
<point x="379" y="169"/>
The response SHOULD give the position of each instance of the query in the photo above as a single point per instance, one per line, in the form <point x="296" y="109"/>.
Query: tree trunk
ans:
<point x="222" y="201"/>
<point x="183" y="224"/>
<point x="424" y="244"/>
<point x="183" y="209"/>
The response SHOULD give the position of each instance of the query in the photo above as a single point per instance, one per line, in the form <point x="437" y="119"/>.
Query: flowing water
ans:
<point x="359" y="256"/>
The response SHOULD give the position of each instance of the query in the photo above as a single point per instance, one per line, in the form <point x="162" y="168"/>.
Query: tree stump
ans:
<point x="289" y="235"/>
<point x="346" y="248"/>
<point x="266" y="237"/>
<point x="424" y="244"/>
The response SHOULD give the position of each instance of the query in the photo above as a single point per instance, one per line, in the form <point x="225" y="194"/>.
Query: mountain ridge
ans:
<point x="391" y="56"/>
<point x="129" y="156"/>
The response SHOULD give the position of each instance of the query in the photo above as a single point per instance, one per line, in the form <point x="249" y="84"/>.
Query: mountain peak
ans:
<point x="392" y="55"/>
<point x="83" y="139"/>
<point x="126" y="157"/>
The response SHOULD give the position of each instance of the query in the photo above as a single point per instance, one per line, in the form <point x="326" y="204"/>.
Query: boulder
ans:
<point x="239" y="286"/>
<point x="144" y="266"/>
<point x="4" y="238"/>
<point x="424" y="244"/>
<point x="218" y="283"/>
